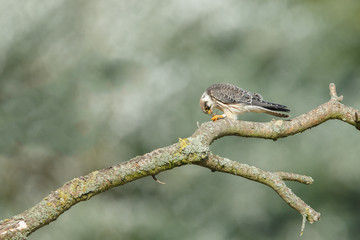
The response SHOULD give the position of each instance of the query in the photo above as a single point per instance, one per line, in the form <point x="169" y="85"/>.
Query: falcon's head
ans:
<point x="206" y="103"/>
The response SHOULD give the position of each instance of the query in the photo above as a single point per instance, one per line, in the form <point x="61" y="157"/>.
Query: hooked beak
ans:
<point x="204" y="107"/>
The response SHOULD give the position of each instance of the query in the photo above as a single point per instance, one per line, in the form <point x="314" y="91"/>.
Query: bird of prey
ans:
<point x="233" y="101"/>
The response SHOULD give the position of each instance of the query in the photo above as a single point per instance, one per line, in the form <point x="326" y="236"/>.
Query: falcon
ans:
<point x="233" y="101"/>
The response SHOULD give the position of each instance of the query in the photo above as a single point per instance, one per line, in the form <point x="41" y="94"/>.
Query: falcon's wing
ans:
<point x="227" y="93"/>
<point x="230" y="94"/>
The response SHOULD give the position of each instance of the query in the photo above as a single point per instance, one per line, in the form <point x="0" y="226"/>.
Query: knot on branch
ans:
<point x="193" y="145"/>
<point x="333" y="93"/>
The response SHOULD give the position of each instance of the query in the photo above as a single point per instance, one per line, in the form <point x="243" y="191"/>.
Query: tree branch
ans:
<point x="192" y="150"/>
<point x="274" y="180"/>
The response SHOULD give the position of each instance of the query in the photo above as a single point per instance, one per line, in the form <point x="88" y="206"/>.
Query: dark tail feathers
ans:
<point x="275" y="107"/>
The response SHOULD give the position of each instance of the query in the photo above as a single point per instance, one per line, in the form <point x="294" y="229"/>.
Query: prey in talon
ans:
<point x="233" y="101"/>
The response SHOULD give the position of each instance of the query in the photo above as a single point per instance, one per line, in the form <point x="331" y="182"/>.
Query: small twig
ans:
<point x="303" y="225"/>
<point x="333" y="93"/>
<point x="157" y="180"/>
<point x="357" y="121"/>
<point x="286" y="176"/>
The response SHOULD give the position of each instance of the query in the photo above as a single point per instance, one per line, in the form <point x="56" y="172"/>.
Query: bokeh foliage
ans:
<point x="88" y="84"/>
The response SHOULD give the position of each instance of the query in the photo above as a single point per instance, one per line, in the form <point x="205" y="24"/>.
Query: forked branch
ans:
<point x="192" y="150"/>
<point x="274" y="180"/>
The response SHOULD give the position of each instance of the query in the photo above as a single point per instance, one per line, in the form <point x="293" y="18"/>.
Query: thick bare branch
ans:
<point x="186" y="151"/>
<point x="192" y="150"/>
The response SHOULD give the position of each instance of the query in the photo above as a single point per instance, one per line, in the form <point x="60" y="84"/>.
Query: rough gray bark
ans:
<point x="192" y="150"/>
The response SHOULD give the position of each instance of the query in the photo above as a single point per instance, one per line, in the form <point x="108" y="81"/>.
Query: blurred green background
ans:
<point x="88" y="84"/>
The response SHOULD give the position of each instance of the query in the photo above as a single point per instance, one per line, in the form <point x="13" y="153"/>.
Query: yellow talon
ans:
<point x="217" y="117"/>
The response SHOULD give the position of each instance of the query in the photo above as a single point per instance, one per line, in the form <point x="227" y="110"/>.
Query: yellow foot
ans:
<point x="217" y="117"/>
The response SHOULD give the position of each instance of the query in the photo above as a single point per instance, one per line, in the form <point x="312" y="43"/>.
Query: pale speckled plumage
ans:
<point x="233" y="101"/>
